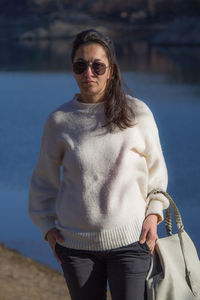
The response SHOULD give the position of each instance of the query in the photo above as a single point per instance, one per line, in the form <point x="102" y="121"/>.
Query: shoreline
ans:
<point x="22" y="278"/>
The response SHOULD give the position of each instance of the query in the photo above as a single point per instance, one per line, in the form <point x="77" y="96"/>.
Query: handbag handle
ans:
<point x="168" y="217"/>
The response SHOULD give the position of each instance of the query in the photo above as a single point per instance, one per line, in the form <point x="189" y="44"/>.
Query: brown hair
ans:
<point x="117" y="112"/>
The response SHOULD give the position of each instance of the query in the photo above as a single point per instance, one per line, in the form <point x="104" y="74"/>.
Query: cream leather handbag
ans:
<point x="174" y="273"/>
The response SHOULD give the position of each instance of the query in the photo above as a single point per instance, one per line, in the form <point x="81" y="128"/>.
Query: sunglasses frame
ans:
<point x="91" y="65"/>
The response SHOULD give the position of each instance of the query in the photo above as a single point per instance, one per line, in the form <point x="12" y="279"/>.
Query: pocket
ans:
<point x="58" y="248"/>
<point x="144" y="246"/>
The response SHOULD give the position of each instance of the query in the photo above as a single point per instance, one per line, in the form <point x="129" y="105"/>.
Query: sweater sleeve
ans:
<point x="157" y="171"/>
<point x="45" y="179"/>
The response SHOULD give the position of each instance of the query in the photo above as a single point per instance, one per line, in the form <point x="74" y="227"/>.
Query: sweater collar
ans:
<point x="88" y="107"/>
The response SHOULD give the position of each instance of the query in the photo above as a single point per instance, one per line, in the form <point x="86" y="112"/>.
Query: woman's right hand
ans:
<point x="52" y="236"/>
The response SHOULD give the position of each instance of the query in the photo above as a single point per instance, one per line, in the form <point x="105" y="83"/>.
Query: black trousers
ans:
<point x="87" y="272"/>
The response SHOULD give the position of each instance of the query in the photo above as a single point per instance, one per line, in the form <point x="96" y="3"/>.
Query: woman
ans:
<point x="98" y="218"/>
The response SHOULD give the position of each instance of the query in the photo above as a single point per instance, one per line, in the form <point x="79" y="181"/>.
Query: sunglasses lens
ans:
<point x="79" y="67"/>
<point x="99" y="68"/>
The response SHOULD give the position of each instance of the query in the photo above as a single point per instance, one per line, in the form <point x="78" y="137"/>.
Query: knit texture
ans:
<point x="99" y="201"/>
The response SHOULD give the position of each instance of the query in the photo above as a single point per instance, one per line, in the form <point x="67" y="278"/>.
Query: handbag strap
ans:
<point x="168" y="217"/>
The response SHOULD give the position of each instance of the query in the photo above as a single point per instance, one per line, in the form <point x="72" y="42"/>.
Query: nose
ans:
<point x="89" y="71"/>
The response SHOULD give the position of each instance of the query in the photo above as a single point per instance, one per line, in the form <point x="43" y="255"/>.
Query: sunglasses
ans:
<point x="98" y="68"/>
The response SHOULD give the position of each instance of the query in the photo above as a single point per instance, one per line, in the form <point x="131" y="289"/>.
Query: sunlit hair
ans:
<point x="117" y="112"/>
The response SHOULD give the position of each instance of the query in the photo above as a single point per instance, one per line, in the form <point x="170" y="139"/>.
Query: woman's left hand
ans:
<point x="149" y="231"/>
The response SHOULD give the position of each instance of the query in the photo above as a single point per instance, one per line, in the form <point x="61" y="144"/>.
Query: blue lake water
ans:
<point x="28" y="97"/>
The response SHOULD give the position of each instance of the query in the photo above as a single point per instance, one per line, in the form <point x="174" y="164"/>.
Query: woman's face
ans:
<point x="92" y="86"/>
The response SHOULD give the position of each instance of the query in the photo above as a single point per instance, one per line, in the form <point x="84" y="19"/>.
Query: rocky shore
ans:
<point x="62" y="27"/>
<point x="178" y="32"/>
<point x="22" y="278"/>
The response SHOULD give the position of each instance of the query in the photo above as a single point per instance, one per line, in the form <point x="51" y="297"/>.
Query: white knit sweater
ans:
<point x="99" y="202"/>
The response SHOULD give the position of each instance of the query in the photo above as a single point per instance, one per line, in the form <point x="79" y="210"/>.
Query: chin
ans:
<point x="89" y="91"/>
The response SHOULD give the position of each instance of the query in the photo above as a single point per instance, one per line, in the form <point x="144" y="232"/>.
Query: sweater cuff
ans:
<point x="155" y="207"/>
<point x="45" y="225"/>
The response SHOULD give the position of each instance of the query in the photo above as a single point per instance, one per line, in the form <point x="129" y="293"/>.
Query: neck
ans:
<point x="90" y="99"/>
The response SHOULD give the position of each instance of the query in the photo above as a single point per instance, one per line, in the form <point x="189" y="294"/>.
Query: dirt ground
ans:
<point x="22" y="278"/>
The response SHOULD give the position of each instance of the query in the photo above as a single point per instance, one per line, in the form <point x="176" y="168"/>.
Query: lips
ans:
<point x="89" y="82"/>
